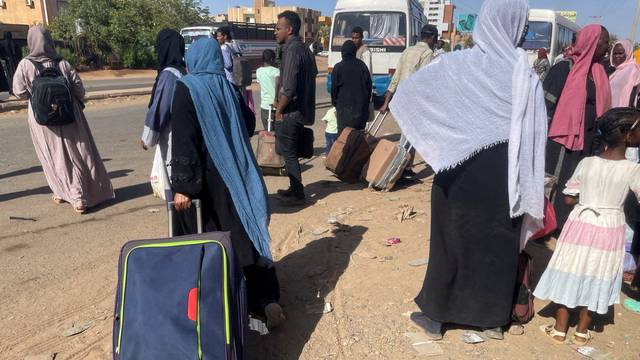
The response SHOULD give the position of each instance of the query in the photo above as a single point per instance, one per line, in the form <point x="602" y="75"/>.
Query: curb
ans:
<point x="12" y="105"/>
<point x="109" y="95"/>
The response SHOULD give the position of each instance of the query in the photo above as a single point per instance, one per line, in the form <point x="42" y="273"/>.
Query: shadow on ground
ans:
<point x="125" y="194"/>
<point x="315" y="192"/>
<point x="306" y="277"/>
<point x="42" y="190"/>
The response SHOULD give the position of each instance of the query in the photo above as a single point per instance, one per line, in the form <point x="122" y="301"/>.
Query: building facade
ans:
<point x="264" y="12"/>
<point x="440" y="14"/>
<point x="220" y="18"/>
<point x="29" y="12"/>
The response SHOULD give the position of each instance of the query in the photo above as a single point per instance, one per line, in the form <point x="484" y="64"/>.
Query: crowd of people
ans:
<point x="497" y="132"/>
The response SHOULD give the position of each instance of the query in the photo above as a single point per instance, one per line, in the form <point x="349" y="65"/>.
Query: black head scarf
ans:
<point x="349" y="50"/>
<point x="351" y="90"/>
<point x="170" y="50"/>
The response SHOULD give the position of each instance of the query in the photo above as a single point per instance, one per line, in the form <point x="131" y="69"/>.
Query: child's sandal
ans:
<point x="552" y="333"/>
<point x="582" y="339"/>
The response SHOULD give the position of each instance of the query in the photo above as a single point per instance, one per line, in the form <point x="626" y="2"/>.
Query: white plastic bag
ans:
<point x="159" y="178"/>
<point x="629" y="262"/>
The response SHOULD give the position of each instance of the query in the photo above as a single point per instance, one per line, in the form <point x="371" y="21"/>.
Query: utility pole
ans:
<point x="634" y="27"/>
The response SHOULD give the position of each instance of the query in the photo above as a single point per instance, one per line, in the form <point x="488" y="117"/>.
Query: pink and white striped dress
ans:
<point x="586" y="267"/>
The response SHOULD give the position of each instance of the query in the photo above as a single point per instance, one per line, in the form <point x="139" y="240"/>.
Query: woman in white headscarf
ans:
<point x="69" y="156"/>
<point x="484" y="133"/>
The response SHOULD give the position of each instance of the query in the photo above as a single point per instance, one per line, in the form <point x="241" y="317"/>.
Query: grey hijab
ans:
<point x="41" y="45"/>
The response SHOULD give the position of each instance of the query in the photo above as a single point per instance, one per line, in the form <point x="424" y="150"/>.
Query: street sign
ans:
<point x="569" y="14"/>
<point x="465" y="23"/>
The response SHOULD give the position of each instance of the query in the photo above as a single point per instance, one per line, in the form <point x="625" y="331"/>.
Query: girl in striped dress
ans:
<point x="585" y="271"/>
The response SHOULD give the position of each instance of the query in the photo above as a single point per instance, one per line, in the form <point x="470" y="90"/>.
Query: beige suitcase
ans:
<point x="387" y="163"/>
<point x="379" y="161"/>
<point x="268" y="159"/>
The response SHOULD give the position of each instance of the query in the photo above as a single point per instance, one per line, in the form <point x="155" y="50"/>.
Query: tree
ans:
<point x="323" y="35"/>
<point x="613" y="39"/>
<point x="123" y="27"/>
<point x="469" y="43"/>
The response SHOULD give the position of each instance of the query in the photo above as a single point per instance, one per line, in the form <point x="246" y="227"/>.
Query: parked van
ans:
<point x="249" y="39"/>
<point x="549" y="30"/>
<point x="390" y="26"/>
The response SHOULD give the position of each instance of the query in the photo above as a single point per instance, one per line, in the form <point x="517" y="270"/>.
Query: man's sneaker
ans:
<point x="293" y="201"/>
<point x="274" y="314"/>
<point x="285" y="193"/>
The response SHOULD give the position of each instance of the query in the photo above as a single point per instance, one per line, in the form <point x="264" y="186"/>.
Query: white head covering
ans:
<point x="470" y="100"/>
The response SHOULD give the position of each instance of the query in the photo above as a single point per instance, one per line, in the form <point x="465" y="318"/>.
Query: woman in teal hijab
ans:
<point x="212" y="160"/>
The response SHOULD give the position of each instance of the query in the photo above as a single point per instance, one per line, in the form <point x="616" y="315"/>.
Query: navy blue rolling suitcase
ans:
<point x="180" y="298"/>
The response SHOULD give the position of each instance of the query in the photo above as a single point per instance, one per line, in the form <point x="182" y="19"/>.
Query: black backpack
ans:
<point x="51" y="99"/>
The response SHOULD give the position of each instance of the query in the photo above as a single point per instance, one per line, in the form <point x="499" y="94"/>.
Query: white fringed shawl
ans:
<point x="467" y="101"/>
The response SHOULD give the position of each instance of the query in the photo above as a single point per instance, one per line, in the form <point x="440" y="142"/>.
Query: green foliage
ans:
<point x="69" y="55"/>
<point x="613" y="38"/>
<point x="124" y="28"/>
<point x="138" y="57"/>
<point x="469" y="43"/>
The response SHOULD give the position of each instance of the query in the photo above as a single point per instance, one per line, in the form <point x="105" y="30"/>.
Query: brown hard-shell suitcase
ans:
<point x="352" y="150"/>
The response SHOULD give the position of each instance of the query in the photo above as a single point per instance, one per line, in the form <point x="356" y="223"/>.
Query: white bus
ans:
<point x="549" y="30"/>
<point x="390" y="26"/>
<point x="248" y="38"/>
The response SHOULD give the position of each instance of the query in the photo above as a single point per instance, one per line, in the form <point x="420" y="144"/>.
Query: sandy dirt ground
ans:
<point x="60" y="270"/>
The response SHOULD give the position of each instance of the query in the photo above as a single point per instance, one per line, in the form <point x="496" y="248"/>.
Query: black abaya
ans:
<point x="193" y="173"/>
<point x="553" y="86"/>
<point x="474" y="249"/>
<point x="351" y="90"/>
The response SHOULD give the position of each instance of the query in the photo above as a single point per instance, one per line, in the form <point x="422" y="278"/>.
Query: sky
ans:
<point x="616" y="15"/>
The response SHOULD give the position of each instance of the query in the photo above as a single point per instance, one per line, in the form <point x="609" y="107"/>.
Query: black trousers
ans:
<point x="264" y="116"/>
<point x="288" y="135"/>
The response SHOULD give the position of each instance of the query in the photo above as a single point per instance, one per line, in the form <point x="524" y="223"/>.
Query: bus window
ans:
<point x="190" y="38"/>
<point x="564" y="40"/>
<point x="539" y="36"/>
<point x="383" y="31"/>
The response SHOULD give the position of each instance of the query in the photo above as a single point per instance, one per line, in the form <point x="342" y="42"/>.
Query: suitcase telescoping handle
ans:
<point x="404" y="142"/>
<point x="377" y="122"/>
<point x="171" y="208"/>
<point x="270" y="119"/>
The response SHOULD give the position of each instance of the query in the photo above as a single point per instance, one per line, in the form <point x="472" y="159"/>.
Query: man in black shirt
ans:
<point x="296" y="101"/>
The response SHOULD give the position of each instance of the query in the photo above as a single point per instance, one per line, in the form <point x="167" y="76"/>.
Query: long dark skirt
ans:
<point x="475" y="244"/>
<point x="352" y="115"/>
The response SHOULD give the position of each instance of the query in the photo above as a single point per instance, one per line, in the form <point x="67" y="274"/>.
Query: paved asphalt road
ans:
<point x="109" y="84"/>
